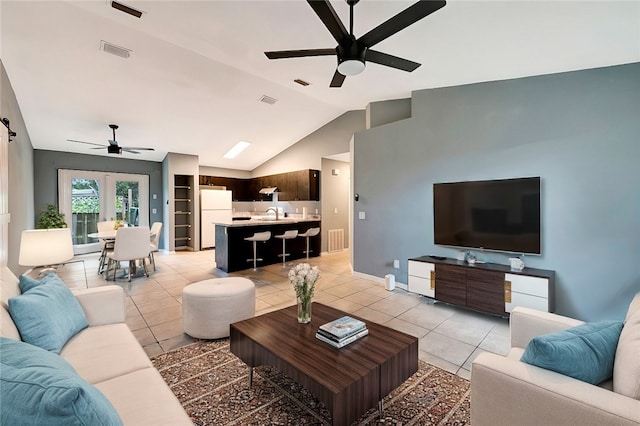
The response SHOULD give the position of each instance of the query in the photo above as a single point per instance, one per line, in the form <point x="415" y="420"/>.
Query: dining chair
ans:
<point x="105" y="245"/>
<point x="156" y="227"/>
<point x="131" y="244"/>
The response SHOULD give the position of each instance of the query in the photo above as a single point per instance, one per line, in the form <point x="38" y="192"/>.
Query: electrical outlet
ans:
<point x="154" y="211"/>
<point x="396" y="263"/>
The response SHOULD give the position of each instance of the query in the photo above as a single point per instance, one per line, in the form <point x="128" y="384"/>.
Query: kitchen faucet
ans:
<point x="274" y="209"/>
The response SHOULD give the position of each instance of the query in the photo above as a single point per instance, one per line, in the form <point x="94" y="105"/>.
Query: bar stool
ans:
<point x="288" y="235"/>
<point x="311" y="232"/>
<point x="258" y="236"/>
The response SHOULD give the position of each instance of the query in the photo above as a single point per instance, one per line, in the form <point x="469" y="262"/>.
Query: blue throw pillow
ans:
<point x="20" y="355"/>
<point x="48" y="396"/>
<point x="585" y="352"/>
<point x="27" y="283"/>
<point x="47" y="315"/>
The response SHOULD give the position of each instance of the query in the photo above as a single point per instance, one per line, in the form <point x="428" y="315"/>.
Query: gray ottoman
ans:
<point x="209" y="306"/>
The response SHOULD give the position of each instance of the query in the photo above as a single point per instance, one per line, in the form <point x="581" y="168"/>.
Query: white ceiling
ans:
<point x="197" y="68"/>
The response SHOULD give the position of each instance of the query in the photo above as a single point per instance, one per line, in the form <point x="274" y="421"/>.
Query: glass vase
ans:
<point x="304" y="310"/>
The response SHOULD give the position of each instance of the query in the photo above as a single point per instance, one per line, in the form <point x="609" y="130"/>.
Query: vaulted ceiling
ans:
<point x="196" y="71"/>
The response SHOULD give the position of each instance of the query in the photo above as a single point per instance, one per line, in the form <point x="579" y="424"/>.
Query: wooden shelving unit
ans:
<point x="183" y="192"/>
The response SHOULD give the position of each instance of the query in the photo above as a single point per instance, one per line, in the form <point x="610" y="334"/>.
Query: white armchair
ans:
<point x="506" y="391"/>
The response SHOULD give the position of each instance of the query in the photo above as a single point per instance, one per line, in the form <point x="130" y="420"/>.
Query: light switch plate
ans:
<point x="361" y="215"/>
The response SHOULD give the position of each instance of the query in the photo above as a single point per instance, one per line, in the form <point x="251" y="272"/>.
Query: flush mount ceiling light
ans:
<point x="237" y="149"/>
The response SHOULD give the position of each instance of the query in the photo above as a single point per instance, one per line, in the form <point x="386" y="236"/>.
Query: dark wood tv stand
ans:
<point x="485" y="287"/>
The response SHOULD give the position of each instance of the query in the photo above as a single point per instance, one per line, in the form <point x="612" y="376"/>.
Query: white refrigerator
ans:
<point x="215" y="206"/>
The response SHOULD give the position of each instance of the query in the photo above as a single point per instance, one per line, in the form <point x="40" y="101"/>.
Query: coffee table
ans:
<point x="350" y="380"/>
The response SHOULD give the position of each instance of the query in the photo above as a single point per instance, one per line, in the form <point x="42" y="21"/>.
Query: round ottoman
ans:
<point x="209" y="306"/>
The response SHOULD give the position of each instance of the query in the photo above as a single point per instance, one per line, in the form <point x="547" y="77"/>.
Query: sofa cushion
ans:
<point x="158" y="407"/>
<point x="8" y="289"/>
<point x="47" y="315"/>
<point x="103" y="352"/>
<point x="38" y="387"/>
<point x="626" y="370"/>
<point x="585" y="352"/>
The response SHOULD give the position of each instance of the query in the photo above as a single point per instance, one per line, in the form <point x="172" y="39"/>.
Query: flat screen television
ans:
<point x="498" y="215"/>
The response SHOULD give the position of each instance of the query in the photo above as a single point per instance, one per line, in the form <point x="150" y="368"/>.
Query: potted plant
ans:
<point x="51" y="218"/>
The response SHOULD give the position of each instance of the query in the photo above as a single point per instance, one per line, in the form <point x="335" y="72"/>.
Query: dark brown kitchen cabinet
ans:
<point x="302" y="185"/>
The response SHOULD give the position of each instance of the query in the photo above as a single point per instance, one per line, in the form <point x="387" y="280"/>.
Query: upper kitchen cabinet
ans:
<point x="303" y="185"/>
<point x="237" y="186"/>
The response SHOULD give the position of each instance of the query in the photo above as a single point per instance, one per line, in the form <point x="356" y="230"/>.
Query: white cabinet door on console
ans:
<point x="527" y="291"/>
<point x="422" y="278"/>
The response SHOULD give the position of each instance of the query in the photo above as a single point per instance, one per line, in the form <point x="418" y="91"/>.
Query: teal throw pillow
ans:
<point x="47" y="315"/>
<point x="21" y="355"/>
<point x="585" y="352"/>
<point x="27" y="283"/>
<point x="48" y="396"/>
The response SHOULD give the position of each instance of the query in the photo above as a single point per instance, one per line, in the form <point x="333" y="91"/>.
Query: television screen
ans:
<point x="501" y="215"/>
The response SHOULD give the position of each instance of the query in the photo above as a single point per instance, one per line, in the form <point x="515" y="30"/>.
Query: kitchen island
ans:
<point x="233" y="253"/>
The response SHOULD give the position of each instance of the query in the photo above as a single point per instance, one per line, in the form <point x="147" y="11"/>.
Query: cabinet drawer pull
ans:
<point x="507" y="292"/>
<point x="432" y="281"/>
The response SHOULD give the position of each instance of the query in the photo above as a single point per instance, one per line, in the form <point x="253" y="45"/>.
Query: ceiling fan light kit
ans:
<point x="353" y="53"/>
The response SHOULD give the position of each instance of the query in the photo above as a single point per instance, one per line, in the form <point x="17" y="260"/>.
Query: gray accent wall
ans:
<point x="20" y="153"/>
<point x="47" y="164"/>
<point x="579" y="131"/>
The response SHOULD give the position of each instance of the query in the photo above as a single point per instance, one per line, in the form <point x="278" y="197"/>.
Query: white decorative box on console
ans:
<point x="491" y="288"/>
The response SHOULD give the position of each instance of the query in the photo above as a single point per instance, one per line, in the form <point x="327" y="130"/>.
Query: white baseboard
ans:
<point x="378" y="280"/>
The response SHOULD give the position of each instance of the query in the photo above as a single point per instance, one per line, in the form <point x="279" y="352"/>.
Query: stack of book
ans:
<point x="342" y="331"/>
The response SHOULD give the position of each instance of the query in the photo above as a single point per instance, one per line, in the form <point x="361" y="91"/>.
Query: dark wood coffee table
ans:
<point x="350" y="380"/>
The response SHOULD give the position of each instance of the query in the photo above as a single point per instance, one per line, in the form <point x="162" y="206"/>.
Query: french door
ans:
<point x="88" y="197"/>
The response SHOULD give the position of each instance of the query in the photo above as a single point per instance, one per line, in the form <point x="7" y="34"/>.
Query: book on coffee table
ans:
<point x="345" y="341"/>
<point x="342" y="327"/>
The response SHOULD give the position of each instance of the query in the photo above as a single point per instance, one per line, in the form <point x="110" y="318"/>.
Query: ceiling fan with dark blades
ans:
<point x="353" y="53"/>
<point x="113" y="147"/>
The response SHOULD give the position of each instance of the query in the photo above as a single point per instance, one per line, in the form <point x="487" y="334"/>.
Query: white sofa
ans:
<point x="108" y="356"/>
<point x="506" y="391"/>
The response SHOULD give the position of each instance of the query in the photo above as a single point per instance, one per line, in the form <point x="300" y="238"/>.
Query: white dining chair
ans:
<point x="156" y="227"/>
<point x="131" y="244"/>
<point x="105" y="245"/>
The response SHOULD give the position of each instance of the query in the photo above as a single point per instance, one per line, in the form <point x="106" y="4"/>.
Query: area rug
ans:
<point x="212" y="386"/>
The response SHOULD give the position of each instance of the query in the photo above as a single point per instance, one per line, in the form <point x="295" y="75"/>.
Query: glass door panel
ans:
<point x="87" y="197"/>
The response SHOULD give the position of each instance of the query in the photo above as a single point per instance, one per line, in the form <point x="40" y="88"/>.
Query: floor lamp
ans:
<point x="45" y="248"/>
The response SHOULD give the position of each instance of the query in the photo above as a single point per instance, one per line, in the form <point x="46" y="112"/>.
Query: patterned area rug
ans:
<point x="212" y="385"/>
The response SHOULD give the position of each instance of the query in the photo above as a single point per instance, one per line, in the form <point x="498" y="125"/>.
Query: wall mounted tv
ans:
<point x="499" y="215"/>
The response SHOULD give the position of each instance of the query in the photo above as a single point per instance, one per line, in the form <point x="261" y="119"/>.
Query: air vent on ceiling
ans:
<point x="123" y="52"/>
<point x="268" y="100"/>
<point x="301" y="82"/>
<point x="126" y="9"/>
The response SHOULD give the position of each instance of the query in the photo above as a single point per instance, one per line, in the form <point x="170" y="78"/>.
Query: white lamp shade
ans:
<point x="44" y="247"/>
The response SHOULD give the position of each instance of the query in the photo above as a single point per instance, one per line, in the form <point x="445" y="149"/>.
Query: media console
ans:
<point x="485" y="287"/>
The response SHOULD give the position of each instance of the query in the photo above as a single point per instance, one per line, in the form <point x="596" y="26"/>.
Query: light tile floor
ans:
<point x="450" y="337"/>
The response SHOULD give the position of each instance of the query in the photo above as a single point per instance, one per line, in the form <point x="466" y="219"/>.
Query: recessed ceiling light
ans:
<point x="237" y="149"/>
